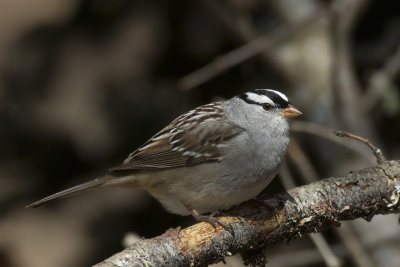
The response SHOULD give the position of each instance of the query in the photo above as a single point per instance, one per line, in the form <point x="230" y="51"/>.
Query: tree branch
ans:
<point x="259" y="223"/>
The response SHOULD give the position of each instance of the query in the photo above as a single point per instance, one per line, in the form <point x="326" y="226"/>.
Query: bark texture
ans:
<point x="259" y="223"/>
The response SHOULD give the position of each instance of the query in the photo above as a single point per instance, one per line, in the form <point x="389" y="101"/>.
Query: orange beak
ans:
<point x="290" y="112"/>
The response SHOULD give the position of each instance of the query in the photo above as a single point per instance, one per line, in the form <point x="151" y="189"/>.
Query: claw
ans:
<point x="212" y="220"/>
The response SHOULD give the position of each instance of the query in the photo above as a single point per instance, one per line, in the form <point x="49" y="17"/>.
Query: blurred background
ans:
<point x="85" y="82"/>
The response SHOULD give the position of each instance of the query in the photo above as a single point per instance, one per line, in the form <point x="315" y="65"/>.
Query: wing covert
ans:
<point x="193" y="138"/>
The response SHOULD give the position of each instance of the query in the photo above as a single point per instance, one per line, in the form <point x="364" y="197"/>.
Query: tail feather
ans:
<point x="90" y="184"/>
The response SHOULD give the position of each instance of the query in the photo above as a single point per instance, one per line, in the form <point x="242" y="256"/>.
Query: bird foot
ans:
<point x="212" y="220"/>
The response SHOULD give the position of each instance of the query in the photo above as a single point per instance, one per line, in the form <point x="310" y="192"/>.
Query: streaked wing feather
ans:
<point x="183" y="142"/>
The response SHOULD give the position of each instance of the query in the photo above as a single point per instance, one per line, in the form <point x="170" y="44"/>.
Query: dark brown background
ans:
<point x="85" y="82"/>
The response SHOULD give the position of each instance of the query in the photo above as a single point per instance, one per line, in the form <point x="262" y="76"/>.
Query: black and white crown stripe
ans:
<point x="266" y="96"/>
<point x="191" y="121"/>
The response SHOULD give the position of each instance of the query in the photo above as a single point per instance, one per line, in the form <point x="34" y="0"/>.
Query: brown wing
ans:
<point x="185" y="143"/>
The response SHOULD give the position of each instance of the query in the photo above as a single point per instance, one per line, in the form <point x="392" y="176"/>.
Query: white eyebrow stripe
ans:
<point x="261" y="99"/>
<point x="280" y="94"/>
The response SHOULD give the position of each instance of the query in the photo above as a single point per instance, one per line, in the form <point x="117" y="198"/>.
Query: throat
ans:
<point x="271" y="144"/>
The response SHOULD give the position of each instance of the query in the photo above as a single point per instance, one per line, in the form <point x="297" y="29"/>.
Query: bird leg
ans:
<point x="210" y="219"/>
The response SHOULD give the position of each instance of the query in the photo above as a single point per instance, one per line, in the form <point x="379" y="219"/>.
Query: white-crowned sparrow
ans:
<point x="210" y="158"/>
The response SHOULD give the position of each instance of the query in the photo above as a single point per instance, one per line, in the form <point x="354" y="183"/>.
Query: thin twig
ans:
<point x="302" y="162"/>
<point x="380" y="158"/>
<point x="326" y="133"/>
<point x="318" y="239"/>
<point x="302" y="257"/>
<point x="345" y="84"/>
<point x="244" y="29"/>
<point x="236" y="23"/>
<point x="309" y="174"/>
<point x="352" y="244"/>
<point x="331" y="260"/>
<point x="236" y="56"/>
<point x="286" y="177"/>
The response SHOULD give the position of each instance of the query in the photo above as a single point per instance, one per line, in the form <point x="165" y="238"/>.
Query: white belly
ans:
<point x="202" y="193"/>
<point x="215" y="186"/>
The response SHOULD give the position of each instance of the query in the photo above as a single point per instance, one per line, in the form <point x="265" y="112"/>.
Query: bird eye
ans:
<point x="266" y="106"/>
